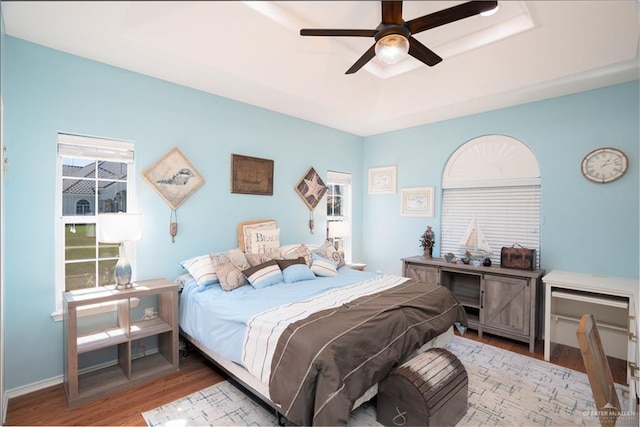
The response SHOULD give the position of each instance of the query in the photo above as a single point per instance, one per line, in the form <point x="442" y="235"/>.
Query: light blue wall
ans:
<point x="46" y="91"/>
<point x="587" y="227"/>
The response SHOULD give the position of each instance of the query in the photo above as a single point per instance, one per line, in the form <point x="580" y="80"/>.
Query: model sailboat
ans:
<point x="474" y="240"/>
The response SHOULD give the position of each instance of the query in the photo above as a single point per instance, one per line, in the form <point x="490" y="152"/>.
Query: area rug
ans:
<point x="505" y="389"/>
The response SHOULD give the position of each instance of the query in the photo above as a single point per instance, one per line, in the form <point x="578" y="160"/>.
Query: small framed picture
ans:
<point x="382" y="180"/>
<point x="417" y="201"/>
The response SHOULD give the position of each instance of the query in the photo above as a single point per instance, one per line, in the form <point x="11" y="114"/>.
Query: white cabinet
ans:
<point x="614" y="303"/>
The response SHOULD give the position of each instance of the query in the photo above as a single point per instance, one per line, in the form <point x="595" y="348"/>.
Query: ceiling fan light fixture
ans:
<point x="491" y="12"/>
<point x="392" y="48"/>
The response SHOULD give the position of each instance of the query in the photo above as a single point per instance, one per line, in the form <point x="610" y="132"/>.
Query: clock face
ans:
<point x="604" y="165"/>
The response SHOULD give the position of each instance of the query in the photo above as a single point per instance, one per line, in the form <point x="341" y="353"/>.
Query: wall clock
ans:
<point x="604" y="165"/>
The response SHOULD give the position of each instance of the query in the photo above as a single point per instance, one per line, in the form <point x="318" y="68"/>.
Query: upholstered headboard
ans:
<point x="244" y="230"/>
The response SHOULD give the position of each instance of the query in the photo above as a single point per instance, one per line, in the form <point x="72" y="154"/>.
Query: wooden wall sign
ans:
<point x="251" y="175"/>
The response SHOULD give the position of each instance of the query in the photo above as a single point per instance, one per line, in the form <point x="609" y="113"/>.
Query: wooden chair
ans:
<point x="597" y="367"/>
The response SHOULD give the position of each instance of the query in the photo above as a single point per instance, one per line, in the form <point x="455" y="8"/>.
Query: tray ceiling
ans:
<point x="252" y="52"/>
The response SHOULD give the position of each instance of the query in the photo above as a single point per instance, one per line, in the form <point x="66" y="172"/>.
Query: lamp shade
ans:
<point x="338" y="229"/>
<point x="119" y="227"/>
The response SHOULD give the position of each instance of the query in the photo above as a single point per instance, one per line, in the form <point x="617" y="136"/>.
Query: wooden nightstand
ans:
<point x="129" y="369"/>
<point x="356" y="266"/>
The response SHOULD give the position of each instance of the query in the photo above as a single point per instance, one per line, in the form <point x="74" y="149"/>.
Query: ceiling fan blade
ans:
<point x="368" y="55"/>
<point x="336" y="32"/>
<point x="392" y="12"/>
<point x="451" y="14"/>
<point x="423" y="53"/>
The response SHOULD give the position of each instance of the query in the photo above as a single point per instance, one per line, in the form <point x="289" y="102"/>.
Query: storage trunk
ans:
<point x="429" y="390"/>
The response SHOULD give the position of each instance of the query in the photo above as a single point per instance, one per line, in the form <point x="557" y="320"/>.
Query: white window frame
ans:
<point x="493" y="180"/>
<point x="343" y="179"/>
<point x="97" y="149"/>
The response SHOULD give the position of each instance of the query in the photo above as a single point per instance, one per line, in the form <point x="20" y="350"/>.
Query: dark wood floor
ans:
<point x="49" y="406"/>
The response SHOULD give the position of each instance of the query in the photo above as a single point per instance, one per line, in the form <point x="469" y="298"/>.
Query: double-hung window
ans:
<point x="94" y="176"/>
<point x="339" y="211"/>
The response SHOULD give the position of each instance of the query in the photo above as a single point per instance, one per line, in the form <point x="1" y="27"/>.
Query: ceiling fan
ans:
<point x="394" y="36"/>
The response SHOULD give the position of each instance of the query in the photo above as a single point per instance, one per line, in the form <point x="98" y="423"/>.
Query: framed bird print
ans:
<point x="311" y="188"/>
<point x="174" y="178"/>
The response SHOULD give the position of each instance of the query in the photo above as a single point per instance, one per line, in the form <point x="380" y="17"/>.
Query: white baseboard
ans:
<point x="30" y="388"/>
<point x="40" y="385"/>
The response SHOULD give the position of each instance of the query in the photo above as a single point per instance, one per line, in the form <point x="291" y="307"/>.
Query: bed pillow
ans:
<point x="202" y="268"/>
<point x="182" y="280"/>
<point x="229" y="266"/>
<point x="295" y="251"/>
<point x="263" y="275"/>
<point x="328" y="251"/>
<point x="238" y="258"/>
<point x="323" y="267"/>
<point x="297" y="272"/>
<point x="247" y="229"/>
<point x="284" y="263"/>
<point x="230" y="276"/>
<point x="265" y="242"/>
<point x="256" y="259"/>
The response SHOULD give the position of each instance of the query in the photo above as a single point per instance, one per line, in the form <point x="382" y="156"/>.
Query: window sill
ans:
<point x="90" y="310"/>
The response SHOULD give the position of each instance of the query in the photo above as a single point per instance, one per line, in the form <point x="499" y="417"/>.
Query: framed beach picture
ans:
<point x="174" y="178"/>
<point x="417" y="201"/>
<point x="382" y="180"/>
<point x="251" y="175"/>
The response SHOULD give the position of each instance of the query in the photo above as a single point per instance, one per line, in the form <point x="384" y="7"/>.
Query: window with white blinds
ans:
<point x="505" y="215"/>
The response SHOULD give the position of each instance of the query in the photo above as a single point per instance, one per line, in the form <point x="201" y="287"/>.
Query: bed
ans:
<point x="313" y="347"/>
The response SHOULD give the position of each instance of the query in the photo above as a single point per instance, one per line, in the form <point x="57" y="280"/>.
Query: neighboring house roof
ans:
<point x="108" y="172"/>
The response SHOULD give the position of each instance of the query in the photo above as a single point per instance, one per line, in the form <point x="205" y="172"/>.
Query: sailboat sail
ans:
<point x="474" y="239"/>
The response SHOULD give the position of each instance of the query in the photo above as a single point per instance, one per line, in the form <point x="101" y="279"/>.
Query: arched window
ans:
<point x="83" y="207"/>
<point x="491" y="198"/>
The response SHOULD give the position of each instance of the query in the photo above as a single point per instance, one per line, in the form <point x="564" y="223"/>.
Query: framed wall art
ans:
<point x="251" y="175"/>
<point x="417" y="201"/>
<point x="311" y="188"/>
<point x="174" y="178"/>
<point x="382" y="180"/>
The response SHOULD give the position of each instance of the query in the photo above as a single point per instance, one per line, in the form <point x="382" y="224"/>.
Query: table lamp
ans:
<point x="338" y="230"/>
<point x="120" y="228"/>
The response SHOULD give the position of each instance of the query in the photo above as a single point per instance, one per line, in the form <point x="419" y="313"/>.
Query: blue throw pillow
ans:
<point x="297" y="273"/>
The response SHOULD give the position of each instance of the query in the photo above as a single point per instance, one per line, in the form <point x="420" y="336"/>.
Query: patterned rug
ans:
<point x="505" y="389"/>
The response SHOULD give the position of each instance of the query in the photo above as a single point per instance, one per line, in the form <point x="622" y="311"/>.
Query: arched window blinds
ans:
<point x="493" y="182"/>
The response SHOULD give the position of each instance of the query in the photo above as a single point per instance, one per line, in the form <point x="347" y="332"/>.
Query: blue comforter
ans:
<point x="219" y="318"/>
